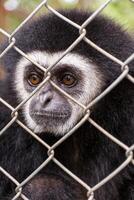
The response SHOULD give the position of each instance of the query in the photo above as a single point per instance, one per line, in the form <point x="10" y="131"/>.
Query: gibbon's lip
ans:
<point x="52" y="115"/>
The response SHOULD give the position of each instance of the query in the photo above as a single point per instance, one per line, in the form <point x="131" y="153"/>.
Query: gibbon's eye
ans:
<point x="34" y="79"/>
<point x="68" y="79"/>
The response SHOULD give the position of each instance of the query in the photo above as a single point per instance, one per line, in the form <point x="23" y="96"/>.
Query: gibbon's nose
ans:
<point x="45" y="98"/>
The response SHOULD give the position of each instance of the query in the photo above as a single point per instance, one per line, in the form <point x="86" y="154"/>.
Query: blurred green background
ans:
<point x="13" y="12"/>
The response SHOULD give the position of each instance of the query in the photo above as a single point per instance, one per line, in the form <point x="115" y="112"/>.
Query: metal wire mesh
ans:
<point x="51" y="149"/>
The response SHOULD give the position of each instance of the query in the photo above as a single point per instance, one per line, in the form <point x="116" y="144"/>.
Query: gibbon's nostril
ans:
<point x="46" y="98"/>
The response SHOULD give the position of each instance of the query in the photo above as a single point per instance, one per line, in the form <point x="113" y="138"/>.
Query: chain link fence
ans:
<point x="128" y="150"/>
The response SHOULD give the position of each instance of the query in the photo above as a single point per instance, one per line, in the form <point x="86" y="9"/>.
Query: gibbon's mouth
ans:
<point x="49" y="116"/>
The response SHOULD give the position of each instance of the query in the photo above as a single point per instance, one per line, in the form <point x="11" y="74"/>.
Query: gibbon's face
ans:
<point x="48" y="110"/>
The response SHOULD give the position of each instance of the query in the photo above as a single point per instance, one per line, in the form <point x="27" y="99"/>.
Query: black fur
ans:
<point x="87" y="153"/>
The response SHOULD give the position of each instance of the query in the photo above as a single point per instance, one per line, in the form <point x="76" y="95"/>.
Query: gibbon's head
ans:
<point x="81" y="73"/>
<point x="49" y="110"/>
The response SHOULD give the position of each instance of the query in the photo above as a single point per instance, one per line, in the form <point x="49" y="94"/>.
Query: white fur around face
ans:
<point x="92" y="86"/>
